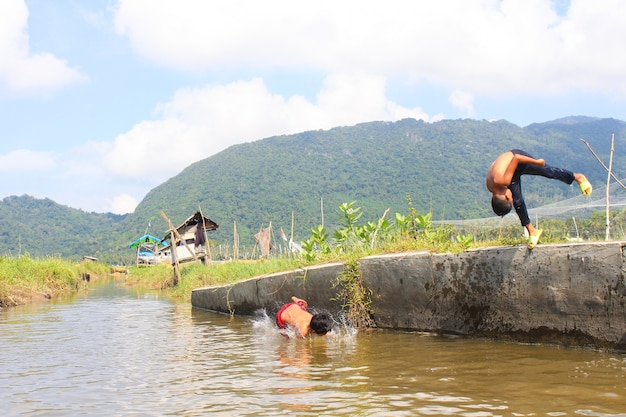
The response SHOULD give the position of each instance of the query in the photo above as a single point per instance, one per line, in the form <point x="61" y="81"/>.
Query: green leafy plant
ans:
<point x="316" y="243"/>
<point x="465" y="240"/>
<point x="355" y="297"/>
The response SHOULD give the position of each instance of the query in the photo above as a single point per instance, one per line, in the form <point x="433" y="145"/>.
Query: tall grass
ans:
<point x="24" y="279"/>
<point x="195" y="275"/>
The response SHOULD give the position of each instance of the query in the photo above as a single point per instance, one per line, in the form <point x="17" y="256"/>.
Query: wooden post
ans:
<point x="175" y="234"/>
<point x="174" y="231"/>
<point x="206" y="240"/>
<point x="173" y="247"/>
<point x="608" y="193"/>
<point x="270" y="237"/>
<point x="235" y="242"/>
<point x="617" y="180"/>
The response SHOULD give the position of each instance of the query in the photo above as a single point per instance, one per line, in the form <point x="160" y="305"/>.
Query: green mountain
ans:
<point x="441" y="166"/>
<point x="41" y="227"/>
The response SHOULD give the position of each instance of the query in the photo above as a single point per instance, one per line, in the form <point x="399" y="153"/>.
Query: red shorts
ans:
<point x="279" y="321"/>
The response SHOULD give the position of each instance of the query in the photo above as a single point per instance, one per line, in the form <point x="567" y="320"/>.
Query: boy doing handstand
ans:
<point x="504" y="182"/>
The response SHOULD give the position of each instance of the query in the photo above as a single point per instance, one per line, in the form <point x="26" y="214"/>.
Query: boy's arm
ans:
<point x="523" y="159"/>
<point x="296" y="300"/>
<point x="517" y="159"/>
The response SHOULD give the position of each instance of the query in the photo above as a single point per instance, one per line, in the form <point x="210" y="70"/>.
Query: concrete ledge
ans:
<point x="571" y="294"/>
<point x="314" y="284"/>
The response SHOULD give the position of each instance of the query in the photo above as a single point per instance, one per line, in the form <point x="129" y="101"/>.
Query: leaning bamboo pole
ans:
<point x="206" y="240"/>
<point x="173" y="248"/>
<point x="603" y="164"/>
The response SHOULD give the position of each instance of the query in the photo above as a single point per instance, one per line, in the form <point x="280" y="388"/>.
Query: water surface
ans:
<point x="114" y="351"/>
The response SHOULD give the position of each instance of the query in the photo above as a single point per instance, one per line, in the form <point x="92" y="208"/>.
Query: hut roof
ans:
<point x="145" y="239"/>
<point x="196" y="218"/>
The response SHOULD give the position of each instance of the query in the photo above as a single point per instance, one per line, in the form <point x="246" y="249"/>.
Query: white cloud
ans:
<point x="24" y="160"/>
<point x="74" y="177"/>
<point x="20" y="71"/>
<point x="463" y="101"/>
<point x="464" y="49"/>
<point x="482" y="46"/>
<point x="123" y="203"/>
<point x="198" y="123"/>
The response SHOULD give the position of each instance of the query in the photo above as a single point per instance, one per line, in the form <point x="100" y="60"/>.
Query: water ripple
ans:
<point x="118" y="352"/>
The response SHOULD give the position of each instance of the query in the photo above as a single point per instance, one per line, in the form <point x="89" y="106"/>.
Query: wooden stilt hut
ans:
<point x="189" y="241"/>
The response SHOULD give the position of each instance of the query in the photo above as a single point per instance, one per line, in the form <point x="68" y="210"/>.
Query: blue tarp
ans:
<point x="149" y="239"/>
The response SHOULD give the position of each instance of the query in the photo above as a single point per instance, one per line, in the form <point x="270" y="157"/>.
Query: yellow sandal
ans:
<point x="585" y="187"/>
<point x="534" y="239"/>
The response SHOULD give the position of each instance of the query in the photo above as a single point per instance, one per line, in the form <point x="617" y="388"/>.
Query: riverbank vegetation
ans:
<point x="355" y="239"/>
<point x="24" y="280"/>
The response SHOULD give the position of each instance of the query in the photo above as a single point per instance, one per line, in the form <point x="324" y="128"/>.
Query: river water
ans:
<point x="115" y="351"/>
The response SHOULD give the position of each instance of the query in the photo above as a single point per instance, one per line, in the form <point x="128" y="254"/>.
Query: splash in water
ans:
<point x="265" y="326"/>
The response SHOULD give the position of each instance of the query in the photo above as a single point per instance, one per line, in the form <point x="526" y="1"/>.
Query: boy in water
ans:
<point x="504" y="182"/>
<point x="295" y="314"/>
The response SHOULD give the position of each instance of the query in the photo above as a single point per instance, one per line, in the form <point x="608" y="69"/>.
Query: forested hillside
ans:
<point x="441" y="166"/>
<point x="41" y="227"/>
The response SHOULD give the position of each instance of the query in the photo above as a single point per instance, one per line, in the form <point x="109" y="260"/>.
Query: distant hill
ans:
<point x="441" y="166"/>
<point x="41" y="227"/>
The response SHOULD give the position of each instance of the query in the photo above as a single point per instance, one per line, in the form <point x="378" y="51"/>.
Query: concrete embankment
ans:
<point x="570" y="294"/>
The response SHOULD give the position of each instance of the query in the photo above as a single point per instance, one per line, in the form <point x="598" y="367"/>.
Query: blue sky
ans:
<point x="100" y="100"/>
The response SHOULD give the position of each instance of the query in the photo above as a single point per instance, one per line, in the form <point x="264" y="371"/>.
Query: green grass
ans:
<point x="195" y="275"/>
<point x="24" y="279"/>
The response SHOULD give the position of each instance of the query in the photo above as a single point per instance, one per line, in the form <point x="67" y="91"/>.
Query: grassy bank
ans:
<point x="195" y="275"/>
<point x="24" y="280"/>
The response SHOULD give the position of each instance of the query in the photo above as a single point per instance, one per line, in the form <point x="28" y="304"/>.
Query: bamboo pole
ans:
<point x="256" y="243"/>
<point x="209" y="256"/>
<point x="173" y="248"/>
<point x="235" y="242"/>
<point x="175" y="232"/>
<point x="270" y="237"/>
<point x="608" y="191"/>
<point x="291" y="237"/>
<point x="603" y="165"/>
<point x="378" y="228"/>
<point x="192" y="252"/>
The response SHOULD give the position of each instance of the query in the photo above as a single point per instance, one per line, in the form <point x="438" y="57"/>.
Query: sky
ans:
<point x="102" y="100"/>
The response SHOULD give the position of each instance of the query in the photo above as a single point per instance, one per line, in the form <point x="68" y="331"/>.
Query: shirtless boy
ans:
<point x="295" y="315"/>
<point x="504" y="182"/>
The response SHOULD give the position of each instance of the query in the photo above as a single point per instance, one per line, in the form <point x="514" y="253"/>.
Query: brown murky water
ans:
<point x="112" y="351"/>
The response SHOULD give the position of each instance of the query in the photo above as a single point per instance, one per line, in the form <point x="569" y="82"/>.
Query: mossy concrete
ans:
<point x="571" y="294"/>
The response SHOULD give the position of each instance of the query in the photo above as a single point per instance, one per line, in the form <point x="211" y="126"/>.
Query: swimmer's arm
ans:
<point x="296" y="300"/>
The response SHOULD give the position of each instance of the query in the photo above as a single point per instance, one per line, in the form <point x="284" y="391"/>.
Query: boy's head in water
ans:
<point x="321" y="323"/>
<point x="295" y="315"/>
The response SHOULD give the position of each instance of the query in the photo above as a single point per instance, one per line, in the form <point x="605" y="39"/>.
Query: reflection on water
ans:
<point x="113" y="351"/>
